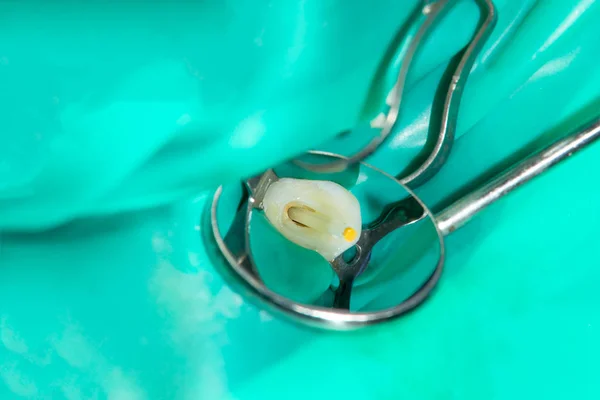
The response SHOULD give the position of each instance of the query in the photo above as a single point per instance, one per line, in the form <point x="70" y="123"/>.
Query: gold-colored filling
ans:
<point x="349" y="234"/>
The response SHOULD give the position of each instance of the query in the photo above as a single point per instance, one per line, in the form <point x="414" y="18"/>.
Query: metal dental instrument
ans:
<point x="421" y="25"/>
<point x="394" y="216"/>
<point x="441" y="150"/>
<point x="233" y="258"/>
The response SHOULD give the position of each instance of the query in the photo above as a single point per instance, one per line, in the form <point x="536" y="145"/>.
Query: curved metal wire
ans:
<point x="419" y="28"/>
<point x="441" y="150"/>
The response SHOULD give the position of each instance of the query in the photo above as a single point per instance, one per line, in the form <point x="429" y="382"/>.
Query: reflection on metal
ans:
<point x="421" y="25"/>
<point x="231" y="251"/>
<point x="396" y="215"/>
<point x="445" y="139"/>
<point x="235" y="261"/>
<point x="233" y="258"/>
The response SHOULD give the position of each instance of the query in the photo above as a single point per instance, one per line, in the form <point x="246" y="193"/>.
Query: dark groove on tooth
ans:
<point x="301" y="225"/>
<point x="304" y="206"/>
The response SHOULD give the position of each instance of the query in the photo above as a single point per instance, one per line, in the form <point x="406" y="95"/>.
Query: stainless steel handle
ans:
<point x="459" y="213"/>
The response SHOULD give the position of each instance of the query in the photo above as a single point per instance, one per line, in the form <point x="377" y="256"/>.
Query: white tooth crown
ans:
<point x="318" y="215"/>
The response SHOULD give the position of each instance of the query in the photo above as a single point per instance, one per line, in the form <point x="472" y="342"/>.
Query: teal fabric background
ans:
<point x="117" y="120"/>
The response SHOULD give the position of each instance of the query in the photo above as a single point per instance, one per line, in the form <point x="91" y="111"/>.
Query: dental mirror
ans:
<point x="342" y="250"/>
<point x="329" y="243"/>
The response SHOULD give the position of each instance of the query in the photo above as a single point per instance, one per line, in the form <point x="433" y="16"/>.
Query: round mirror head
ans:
<point x="330" y="249"/>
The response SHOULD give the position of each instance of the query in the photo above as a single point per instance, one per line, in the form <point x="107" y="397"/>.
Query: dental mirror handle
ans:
<point x="463" y="210"/>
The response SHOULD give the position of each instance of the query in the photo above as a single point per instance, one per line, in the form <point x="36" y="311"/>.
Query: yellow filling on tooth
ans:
<point x="349" y="234"/>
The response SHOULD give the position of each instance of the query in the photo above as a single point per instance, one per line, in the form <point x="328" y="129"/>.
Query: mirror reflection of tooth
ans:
<point x="318" y="215"/>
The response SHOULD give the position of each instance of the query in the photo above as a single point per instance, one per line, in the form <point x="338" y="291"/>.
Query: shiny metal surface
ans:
<point x="235" y="248"/>
<point x="459" y="213"/>
<point x="445" y="139"/>
<point x="240" y="272"/>
<point x="128" y="305"/>
<point x="234" y="261"/>
<point x="395" y="216"/>
<point x="420" y="26"/>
